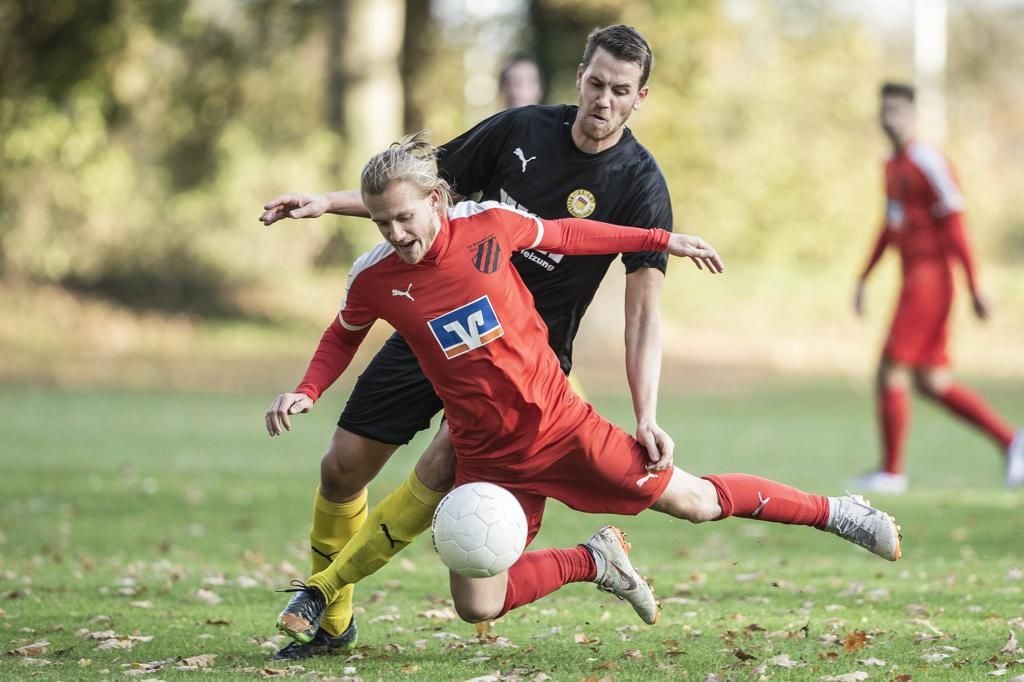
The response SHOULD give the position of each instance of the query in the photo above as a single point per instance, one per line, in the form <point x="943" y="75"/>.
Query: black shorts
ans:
<point x="392" y="400"/>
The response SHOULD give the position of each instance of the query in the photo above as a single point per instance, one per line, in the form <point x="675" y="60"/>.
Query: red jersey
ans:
<point x="924" y="208"/>
<point x="473" y="326"/>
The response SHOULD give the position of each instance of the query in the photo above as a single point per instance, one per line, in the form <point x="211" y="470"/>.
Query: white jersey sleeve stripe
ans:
<point x="935" y="169"/>
<point x="465" y="209"/>
<point x="363" y="263"/>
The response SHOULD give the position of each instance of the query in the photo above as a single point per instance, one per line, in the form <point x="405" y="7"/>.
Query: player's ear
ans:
<point x="641" y="95"/>
<point x="579" y="75"/>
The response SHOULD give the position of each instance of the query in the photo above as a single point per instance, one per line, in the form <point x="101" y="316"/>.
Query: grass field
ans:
<point x="170" y="518"/>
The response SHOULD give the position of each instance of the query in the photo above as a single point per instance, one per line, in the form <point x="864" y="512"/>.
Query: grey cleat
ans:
<point x="615" y="573"/>
<point x="852" y="518"/>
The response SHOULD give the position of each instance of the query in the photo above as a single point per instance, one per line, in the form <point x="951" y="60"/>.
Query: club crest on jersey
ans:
<point x="466" y="328"/>
<point x="581" y="203"/>
<point x="486" y="254"/>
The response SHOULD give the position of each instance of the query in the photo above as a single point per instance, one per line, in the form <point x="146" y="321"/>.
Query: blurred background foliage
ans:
<point x="139" y="139"/>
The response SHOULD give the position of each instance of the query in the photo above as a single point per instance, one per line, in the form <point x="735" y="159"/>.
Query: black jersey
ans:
<point x="526" y="158"/>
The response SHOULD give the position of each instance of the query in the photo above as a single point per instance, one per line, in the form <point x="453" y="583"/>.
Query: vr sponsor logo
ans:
<point x="466" y="328"/>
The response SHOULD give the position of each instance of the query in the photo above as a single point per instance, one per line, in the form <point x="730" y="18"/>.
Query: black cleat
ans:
<point x="322" y="644"/>
<point x="300" y="620"/>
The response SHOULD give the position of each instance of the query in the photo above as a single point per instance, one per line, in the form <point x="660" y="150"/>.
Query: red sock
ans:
<point x="752" y="497"/>
<point x="973" y="408"/>
<point x="893" y="416"/>
<point x="542" y="572"/>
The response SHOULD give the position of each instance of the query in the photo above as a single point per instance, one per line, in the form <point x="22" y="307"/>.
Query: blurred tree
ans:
<point x="138" y="139"/>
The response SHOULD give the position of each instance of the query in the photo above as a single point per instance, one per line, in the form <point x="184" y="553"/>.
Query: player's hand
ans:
<point x="858" y="300"/>
<point x="294" y="206"/>
<point x="981" y="307"/>
<point x="659" y="445"/>
<point x="284" y="405"/>
<point x="696" y="249"/>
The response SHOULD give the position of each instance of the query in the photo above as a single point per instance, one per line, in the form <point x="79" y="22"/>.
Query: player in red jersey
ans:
<point x="924" y="219"/>
<point x="444" y="280"/>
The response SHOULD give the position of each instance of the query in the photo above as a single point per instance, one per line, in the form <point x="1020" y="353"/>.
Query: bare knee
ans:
<point x="689" y="498"/>
<point x="892" y="376"/>
<point x="350" y="463"/>
<point x="476" y="611"/>
<point x="931" y="383"/>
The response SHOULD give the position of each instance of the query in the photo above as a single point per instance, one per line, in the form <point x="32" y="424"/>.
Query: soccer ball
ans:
<point x="479" y="529"/>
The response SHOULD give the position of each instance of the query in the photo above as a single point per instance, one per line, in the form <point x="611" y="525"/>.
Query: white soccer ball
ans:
<point x="479" y="529"/>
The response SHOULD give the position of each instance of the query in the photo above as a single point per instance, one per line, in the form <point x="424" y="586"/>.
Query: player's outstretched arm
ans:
<point x="643" y="362"/>
<point x="343" y="202"/>
<point x="696" y="249"/>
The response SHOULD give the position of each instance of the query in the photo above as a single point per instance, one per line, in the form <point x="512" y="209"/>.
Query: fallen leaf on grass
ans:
<point x="743" y="655"/>
<point x="934" y="657"/>
<point x="28" y="660"/>
<point x="855" y="641"/>
<point x="200" y="661"/>
<point x="581" y="638"/>
<point x="145" y="604"/>
<point x="872" y="661"/>
<point x="784" y="661"/>
<point x="1011" y="645"/>
<point x="632" y="653"/>
<point x="208" y="597"/>
<point x="855" y="676"/>
<point x="444" y="615"/>
<point x="98" y="634"/>
<point x="34" y="649"/>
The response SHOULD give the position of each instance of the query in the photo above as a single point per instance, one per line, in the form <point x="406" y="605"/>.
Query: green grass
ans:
<point x="114" y="501"/>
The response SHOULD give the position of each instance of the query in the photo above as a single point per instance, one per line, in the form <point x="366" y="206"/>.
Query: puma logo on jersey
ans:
<point x="640" y="481"/>
<point x="407" y="293"/>
<point x="466" y="328"/>
<point x="760" y="508"/>
<point x="522" y="157"/>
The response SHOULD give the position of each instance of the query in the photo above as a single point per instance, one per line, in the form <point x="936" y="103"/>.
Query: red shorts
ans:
<point x="598" y="468"/>
<point x="918" y="335"/>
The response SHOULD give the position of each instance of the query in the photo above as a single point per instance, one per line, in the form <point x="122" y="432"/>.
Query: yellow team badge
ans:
<point x="581" y="203"/>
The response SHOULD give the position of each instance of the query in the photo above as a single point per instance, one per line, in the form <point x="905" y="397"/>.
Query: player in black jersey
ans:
<point x="555" y="162"/>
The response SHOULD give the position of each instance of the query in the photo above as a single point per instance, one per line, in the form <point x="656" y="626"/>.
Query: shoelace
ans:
<point x="310" y="608"/>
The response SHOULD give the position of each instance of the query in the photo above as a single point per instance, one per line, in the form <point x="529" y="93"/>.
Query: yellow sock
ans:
<point x="392" y="525"/>
<point x="334" y="525"/>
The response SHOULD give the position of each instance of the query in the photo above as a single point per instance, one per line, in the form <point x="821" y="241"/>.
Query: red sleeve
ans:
<point x="956" y="236"/>
<point x="579" y="237"/>
<point x="884" y="238"/>
<point x="337" y="348"/>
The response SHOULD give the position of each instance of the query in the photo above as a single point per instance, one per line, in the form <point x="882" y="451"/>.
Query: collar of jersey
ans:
<point x="440" y="246"/>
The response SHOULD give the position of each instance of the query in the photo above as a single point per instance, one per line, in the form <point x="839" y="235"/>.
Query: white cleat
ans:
<point x="852" y="518"/>
<point x="880" y="482"/>
<point x="1015" y="461"/>
<point x="615" y="573"/>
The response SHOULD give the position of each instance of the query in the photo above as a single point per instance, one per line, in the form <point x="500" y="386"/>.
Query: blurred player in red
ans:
<point x="924" y="219"/>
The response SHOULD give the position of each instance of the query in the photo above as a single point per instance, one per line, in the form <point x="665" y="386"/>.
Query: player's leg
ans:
<point x="936" y="384"/>
<point x="389" y="404"/>
<point x="892" y="397"/>
<point x="717" y="497"/>
<point x="394" y="523"/>
<point x="603" y="560"/>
